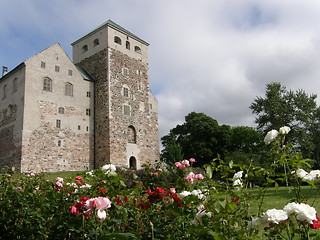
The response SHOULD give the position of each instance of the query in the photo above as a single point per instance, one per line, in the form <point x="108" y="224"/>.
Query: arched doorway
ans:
<point x="133" y="163"/>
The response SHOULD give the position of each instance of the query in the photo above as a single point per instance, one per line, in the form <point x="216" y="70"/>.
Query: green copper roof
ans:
<point x="117" y="27"/>
<point x="84" y="73"/>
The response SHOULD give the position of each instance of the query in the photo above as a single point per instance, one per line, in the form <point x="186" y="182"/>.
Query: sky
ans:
<point x="209" y="56"/>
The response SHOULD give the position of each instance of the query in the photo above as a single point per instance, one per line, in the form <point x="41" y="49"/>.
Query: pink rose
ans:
<point x="185" y="163"/>
<point x="199" y="176"/>
<point x="100" y="204"/>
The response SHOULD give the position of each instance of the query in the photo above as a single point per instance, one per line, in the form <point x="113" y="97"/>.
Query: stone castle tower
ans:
<point x="126" y="119"/>
<point x="59" y="115"/>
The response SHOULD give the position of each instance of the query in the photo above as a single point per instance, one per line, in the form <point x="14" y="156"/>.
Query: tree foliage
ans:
<point x="296" y="109"/>
<point x="201" y="137"/>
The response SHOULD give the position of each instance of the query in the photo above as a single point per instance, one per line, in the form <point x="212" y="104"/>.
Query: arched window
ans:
<point x="132" y="136"/>
<point x="133" y="163"/>
<point x="117" y="40"/>
<point x="68" y="89"/>
<point x="128" y="45"/>
<point x="137" y="49"/>
<point x="47" y="84"/>
<point x="96" y="42"/>
<point x="84" y="48"/>
<point x="61" y="110"/>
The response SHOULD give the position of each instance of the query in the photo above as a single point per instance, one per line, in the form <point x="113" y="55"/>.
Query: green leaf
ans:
<point x="231" y="164"/>
<point x="209" y="171"/>
<point x="223" y="203"/>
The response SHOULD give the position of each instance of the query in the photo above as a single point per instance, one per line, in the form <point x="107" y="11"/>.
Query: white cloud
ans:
<point x="205" y="56"/>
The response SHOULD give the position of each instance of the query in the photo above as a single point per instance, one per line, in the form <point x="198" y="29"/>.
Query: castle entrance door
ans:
<point x="133" y="163"/>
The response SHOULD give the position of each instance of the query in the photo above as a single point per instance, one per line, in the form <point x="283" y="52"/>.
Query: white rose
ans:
<point x="184" y="194"/>
<point x="314" y="174"/>
<point x="237" y="183"/>
<point x="301" y="173"/>
<point x="302" y="211"/>
<point x="275" y="216"/>
<point x="271" y="135"/>
<point x="108" y="168"/>
<point x="284" y="130"/>
<point x="237" y="175"/>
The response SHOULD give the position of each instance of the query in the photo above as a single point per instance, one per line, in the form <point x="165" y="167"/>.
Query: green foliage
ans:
<point x="296" y="109"/>
<point x="203" y="138"/>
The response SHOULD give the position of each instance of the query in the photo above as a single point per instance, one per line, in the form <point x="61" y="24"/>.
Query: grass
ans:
<point x="279" y="198"/>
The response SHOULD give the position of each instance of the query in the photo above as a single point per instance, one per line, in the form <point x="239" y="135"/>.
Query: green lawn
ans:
<point x="279" y="198"/>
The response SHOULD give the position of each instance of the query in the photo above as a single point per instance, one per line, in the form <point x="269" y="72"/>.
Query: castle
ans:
<point x="59" y="115"/>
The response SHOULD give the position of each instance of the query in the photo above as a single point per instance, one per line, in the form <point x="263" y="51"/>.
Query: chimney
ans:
<point x="4" y="70"/>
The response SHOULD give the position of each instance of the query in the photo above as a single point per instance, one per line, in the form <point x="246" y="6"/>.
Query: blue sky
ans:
<point x="206" y="56"/>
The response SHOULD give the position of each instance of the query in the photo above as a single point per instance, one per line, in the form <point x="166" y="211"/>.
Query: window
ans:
<point x="125" y="92"/>
<point x="125" y="71"/>
<point x="59" y="143"/>
<point x="126" y="110"/>
<point x="58" y="123"/>
<point x="88" y="94"/>
<point x="88" y="112"/>
<point x="137" y="49"/>
<point x="43" y="65"/>
<point x="84" y="48"/>
<point x="47" y="84"/>
<point x="132" y="136"/>
<point x="70" y="72"/>
<point x="68" y="89"/>
<point x="96" y="42"/>
<point x="128" y="45"/>
<point x="15" y="85"/>
<point x="87" y="129"/>
<point x="61" y="110"/>
<point x="150" y="106"/>
<point x="4" y="91"/>
<point x="79" y="127"/>
<point x="117" y="40"/>
<point x="57" y="68"/>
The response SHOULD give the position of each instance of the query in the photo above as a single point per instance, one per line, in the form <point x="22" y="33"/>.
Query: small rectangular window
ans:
<point x="87" y="128"/>
<point x="88" y="112"/>
<point x="126" y="110"/>
<point x="58" y="123"/>
<point x="70" y="72"/>
<point x="79" y="127"/>
<point x="43" y="64"/>
<point x="125" y="92"/>
<point x="88" y="94"/>
<point x="15" y="85"/>
<point x="57" y="68"/>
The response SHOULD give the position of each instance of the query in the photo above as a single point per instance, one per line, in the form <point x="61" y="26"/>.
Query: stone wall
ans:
<point x="10" y="152"/>
<point x="53" y="149"/>
<point x="97" y="66"/>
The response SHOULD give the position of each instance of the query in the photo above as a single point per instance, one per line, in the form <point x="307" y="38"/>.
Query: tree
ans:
<point x="199" y="137"/>
<point x="295" y="109"/>
<point x="202" y="138"/>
